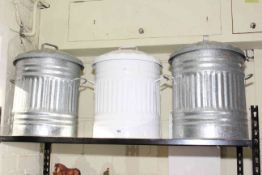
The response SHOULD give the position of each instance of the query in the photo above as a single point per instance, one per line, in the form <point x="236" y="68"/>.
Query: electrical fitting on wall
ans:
<point x="25" y="31"/>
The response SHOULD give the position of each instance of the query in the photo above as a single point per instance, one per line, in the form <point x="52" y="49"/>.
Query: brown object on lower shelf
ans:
<point x="106" y="172"/>
<point x="61" y="169"/>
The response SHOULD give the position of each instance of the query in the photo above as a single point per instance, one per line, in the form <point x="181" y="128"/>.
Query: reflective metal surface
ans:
<point x="208" y="93"/>
<point x="207" y="45"/>
<point x="49" y="53"/>
<point x="46" y="96"/>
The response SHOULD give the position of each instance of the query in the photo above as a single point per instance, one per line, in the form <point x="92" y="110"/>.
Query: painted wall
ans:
<point x="23" y="158"/>
<point x="17" y="159"/>
<point x="114" y="23"/>
<point x="12" y="45"/>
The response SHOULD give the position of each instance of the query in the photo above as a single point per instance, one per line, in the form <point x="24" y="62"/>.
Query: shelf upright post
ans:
<point x="240" y="167"/>
<point x="255" y="140"/>
<point x="47" y="154"/>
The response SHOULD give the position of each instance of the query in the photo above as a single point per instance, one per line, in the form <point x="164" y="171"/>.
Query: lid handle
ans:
<point x="128" y="48"/>
<point x="48" y="44"/>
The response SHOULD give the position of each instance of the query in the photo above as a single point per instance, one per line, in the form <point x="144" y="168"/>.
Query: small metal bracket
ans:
<point x="21" y="31"/>
<point x="249" y="53"/>
<point x="43" y="5"/>
<point x="255" y="140"/>
<point x="240" y="167"/>
<point x="205" y="38"/>
<point x="253" y="25"/>
<point x="47" y="157"/>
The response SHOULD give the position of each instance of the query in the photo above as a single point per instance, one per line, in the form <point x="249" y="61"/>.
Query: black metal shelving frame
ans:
<point x="253" y="144"/>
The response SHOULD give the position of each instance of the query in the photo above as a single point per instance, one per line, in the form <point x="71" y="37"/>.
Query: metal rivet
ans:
<point x="141" y="30"/>
<point x="253" y="25"/>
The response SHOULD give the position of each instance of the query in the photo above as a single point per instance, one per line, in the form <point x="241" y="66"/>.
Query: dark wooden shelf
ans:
<point x="114" y="141"/>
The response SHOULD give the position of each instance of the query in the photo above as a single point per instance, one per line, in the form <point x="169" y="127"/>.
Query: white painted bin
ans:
<point x="127" y="96"/>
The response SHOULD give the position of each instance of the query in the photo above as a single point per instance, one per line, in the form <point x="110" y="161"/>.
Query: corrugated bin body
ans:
<point x="127" y="95"/>
<point x="46" y="94"/>
<point x="209" y="92"/>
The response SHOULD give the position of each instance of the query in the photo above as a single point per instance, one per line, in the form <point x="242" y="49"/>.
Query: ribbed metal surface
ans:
<point x="46" y="97"/>
<point x="49" y="53"/>
<point x="209" y="95"/>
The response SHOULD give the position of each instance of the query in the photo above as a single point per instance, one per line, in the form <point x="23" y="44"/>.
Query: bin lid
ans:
<point x="205" y="45"/>
<point x="49" y="53"/>
<point x="126" y="54"/>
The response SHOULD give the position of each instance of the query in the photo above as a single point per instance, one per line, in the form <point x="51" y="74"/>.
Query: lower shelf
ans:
<point x="253" y="144"/>
<point x="113" y="141"/>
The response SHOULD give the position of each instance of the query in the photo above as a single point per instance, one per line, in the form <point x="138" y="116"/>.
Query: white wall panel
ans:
<point x="244" y="13"/>
<point x="197" y="160"/>
<point x="118" y="19"/>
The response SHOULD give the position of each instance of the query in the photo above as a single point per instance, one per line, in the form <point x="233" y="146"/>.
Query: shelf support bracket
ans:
<point x="255" y="140"/>
<point x="47" y="154"/>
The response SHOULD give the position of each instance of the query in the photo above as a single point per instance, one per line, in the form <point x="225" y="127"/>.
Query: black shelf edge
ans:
<point x="116" y="141"/>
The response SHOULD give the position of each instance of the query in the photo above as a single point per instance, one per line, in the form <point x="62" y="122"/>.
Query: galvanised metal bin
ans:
<point x="209" y="92"/>
<point x="46" y="93"/>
